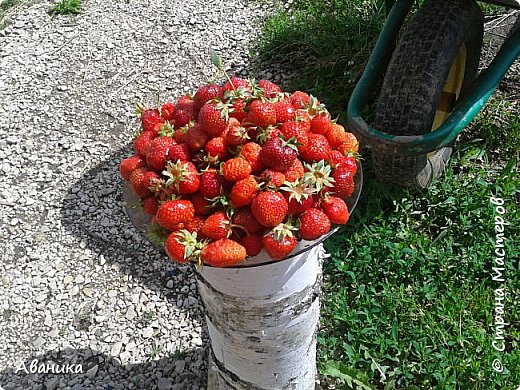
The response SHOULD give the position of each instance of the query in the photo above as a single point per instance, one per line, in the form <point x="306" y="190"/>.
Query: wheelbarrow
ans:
<point x="430" y="90"/>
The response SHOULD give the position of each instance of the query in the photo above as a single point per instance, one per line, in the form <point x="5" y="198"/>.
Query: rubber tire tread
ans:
<point x="419" y="66"/>
<point x="414" y="81"/>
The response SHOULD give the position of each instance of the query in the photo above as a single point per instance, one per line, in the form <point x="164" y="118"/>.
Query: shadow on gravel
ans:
<point x="86" y="369"/>
<point x="94" y="212"/>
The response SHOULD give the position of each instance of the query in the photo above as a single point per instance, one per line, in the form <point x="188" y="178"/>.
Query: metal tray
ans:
<point x="142" y="222"/>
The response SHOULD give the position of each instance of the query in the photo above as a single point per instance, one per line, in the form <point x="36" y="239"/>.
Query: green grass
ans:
<point x="409" y="286"/>
<point x="327" y="42"/>
<point x="5" y="6"/>
<point x="66" y="7"/>
<point x="408" y="295"/>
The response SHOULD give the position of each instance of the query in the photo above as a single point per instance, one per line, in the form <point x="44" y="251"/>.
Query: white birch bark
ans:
<point x="262" y="322"/>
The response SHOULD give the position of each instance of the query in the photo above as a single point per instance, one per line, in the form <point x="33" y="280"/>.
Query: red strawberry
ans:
<point x="223" y="253"/>
<point x="273" y="178"/>
<point x="236" y="169"/>
<point x="343" y="181"/>
<point x="150" y="205"/>
<point x="195" y="224"/>
<point x="157" y="154"/>
<point x="300" y="99"/>
<point x="336" y="136"/>
<point x="284" y="111"/>
<point x="235" y="133"/>
<point x="213" y="118"/>
<point x="185" y="103"/>
<point x="236" y="83"/>
<point x="158" y="128"/>
<point x="244" y="218"/>
<point x="261" y="114"/>
<point x="183" y="117"/>
<point x="318" y="148"/>
<point x="270" y="89"/>
<point x="297" y="207"/>
<point x="318" y="176"/>
<point x="269" y="208"/>
<point x="168" y="111"/>
<point x="321" y="123"/>
<point x="336" y="209"/>
<point x="280" y="242"/>
<point x="216" y="149"/>
<point x="301" y="116"/>
<point x="299" y="196"/>
<point x="173" y="212"/>
<point x="261" y="135"/>
<point x="238" y="109"/>
<point x="350" y="164"/>
<point x="150" y="117"/>
<point x="294" y="172"/>
<point x="153" y="182"/>
<point x="202" y="206"/>
<point x="293" y="129"/>
<point x="243" y="192"/>
<point x="142" y="142"/>
<point x="211" y="184"/>
<point x="350" y="145"/>
<point x="179" y="152"/>
<point x="251" y="153"/>
<point x="137" y="182"/>
<point x="337" y="158"/>
<point x="277" y="154"/>
<point x="217" y="226"/>
<point x="206" y="93"/>
<point x="314" y="223"/>
<point x="130" y="164"/>
<point x="183" y="176"/>
<point x="253" y="244"/>
<point x="180" y="246"/>
<point x="196" y="137"/>
<point x="179" y="135"/>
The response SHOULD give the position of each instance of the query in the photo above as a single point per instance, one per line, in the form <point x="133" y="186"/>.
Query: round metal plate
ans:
<point x="142" y="222"/>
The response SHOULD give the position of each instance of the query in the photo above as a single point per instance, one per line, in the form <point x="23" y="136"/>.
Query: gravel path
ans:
<point x="79" y="285"/>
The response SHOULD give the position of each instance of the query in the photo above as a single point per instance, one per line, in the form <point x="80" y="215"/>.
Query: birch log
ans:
<point x="262" y="322"/>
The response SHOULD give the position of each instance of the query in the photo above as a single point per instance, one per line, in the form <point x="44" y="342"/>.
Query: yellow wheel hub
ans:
<point x="451" y="90"/>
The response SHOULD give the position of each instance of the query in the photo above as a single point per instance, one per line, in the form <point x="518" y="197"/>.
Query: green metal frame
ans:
<point x="463" y="113"/>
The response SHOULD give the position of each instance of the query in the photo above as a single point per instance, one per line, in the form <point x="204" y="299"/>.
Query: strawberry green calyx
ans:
<point x="157" y="185"/>
<point x="256" y="91"/>
<point x="176" y="172"/>
<point x="241" y="92"/>
<point x="221" y="201"/>
<point x="216" y="60"/>
<point x="291" y="142"/>
<point x="283" y="230"/>
<point x="318" y="175"/>
<point x="299" y="189"/>
<point x="314" y="107"/>
<point x="184" y="129"/>
<point x="192" y="247"/>
<point x="157" y="234"/>
<point x="225" y="109"/>
<point x="167" y="130"/>
<point x="139" y="109"/>
<point x="279" y="96"/>
<point x="264" y="133"/>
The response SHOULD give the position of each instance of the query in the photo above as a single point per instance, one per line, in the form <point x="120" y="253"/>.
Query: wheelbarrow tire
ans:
<point x="413" y="84"/>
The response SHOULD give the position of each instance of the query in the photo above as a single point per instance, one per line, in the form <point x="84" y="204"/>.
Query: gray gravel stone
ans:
<point x="78" y="282"/>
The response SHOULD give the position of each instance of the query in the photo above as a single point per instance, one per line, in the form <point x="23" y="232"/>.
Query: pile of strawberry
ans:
<point x="241" y="167"/>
